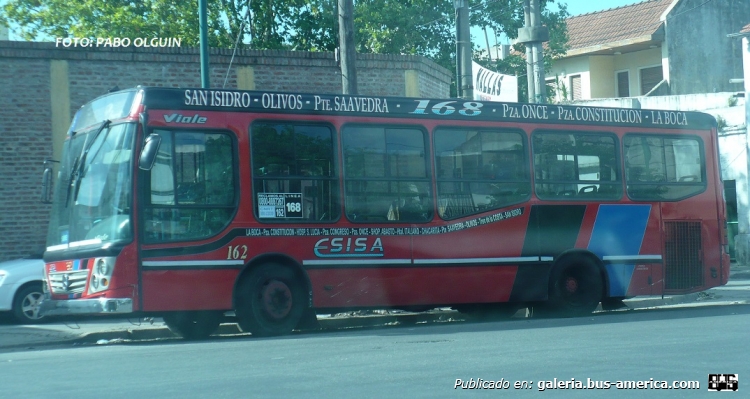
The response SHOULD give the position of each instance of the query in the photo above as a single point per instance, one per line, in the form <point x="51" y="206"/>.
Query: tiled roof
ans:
<point x="615" y="24"/>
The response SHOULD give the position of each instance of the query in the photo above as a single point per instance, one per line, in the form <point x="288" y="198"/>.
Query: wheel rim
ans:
<point x="30" y="305"/>
<point x="276" y="299"/>
<point x="571" y="285"/>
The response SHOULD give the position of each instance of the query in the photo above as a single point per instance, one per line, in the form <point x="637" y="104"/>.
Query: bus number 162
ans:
<point x="237" y="252"/>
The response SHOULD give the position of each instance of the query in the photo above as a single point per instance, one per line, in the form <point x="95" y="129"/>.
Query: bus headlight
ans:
<point x="101" y="274"/>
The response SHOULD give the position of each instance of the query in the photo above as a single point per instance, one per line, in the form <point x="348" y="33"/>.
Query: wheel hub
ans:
<point x="571" y="285"/>
<point x="30" y="306"/>
<point x="277" y="299"/>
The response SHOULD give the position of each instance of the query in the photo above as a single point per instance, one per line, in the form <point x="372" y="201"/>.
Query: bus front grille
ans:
<point x="683" y="255"/>
<point x="72" y="282"/>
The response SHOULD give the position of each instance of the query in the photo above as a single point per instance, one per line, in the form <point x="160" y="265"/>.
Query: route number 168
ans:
<point x="470" y="108"/>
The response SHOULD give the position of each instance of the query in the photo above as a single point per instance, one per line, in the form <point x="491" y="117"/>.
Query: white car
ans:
<point x="21" y="288"/>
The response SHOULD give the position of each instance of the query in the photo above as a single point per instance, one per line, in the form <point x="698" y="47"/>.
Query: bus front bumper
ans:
<point x="54" y="307"/>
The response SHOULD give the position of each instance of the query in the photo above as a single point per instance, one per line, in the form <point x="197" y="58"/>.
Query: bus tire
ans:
<point x="270" y="301"/>
<point x="575" y="289"/>
<point x="194" y="324"/>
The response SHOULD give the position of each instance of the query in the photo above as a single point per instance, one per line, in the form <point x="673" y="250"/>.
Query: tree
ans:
<point x="115" y="18"/>
<point x="507" y="16"/>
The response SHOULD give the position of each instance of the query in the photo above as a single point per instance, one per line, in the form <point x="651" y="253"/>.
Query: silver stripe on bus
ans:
<point x="57" y="247"/>
<point x="344" y="262"/>
<point x="477" y="260"/>
<point x="158" y="263"/>
<point x="632" y="258"/>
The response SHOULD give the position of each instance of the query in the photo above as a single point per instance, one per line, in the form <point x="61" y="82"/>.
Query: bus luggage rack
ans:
<point x="683" y="261"/>
<point x="68" y="282"/>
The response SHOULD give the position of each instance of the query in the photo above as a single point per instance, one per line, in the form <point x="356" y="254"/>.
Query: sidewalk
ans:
<point x="108" y="330"/>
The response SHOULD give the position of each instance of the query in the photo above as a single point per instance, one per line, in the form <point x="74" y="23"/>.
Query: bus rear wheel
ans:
<point x="193" y="325"/>
<point x="575" y="289"/>
<point x="270" y="301"/>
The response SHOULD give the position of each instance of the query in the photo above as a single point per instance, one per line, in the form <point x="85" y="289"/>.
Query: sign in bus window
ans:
<point x="280" y="205"/>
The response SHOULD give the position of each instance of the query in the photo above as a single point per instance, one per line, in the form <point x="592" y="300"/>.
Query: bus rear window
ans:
<point x="661" y="168"/>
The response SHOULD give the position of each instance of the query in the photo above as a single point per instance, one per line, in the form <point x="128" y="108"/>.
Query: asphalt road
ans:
<point x="683" y="344"/>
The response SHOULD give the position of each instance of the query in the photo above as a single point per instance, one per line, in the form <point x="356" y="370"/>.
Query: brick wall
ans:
<point x="26" y="109"/>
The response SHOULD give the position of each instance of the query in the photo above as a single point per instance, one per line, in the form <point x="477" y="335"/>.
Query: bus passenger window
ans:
<point x="663" y="168"/>
<point x="479" y="170"/>
<point x="191" y="186"/>
<point x="294" y="175"/>
<point x="386" y="174"/>
<point x="576" y="166"/>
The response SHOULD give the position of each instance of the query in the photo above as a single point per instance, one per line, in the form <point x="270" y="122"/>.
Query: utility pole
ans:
<point x="464" y="85"/>
<point x="203" y="26"/>
<point x="348" y="54"/>
<point x="533" y="34"/>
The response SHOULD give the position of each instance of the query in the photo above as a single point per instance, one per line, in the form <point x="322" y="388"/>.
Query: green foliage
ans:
<point x="721" y="123"/>
<point x="114" y="18"/>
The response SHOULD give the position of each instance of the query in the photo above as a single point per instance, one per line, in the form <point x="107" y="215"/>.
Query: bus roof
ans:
<point x="417" y="108"/>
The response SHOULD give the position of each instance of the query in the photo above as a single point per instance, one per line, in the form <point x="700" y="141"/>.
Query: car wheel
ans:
<point x="26" y="304"/>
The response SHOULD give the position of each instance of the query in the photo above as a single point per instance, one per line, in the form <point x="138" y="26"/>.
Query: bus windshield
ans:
<point x="92" y="201"/>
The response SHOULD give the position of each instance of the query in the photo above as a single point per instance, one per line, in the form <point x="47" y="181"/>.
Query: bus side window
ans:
<point x="294" y="175"/>
<point x="384" y="167"/>
<point x="479" y="170"/>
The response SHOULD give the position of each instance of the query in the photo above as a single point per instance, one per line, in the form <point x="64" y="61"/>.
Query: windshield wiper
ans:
<point x="77" y="171"/>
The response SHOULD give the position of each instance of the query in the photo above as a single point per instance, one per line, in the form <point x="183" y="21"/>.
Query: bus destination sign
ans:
<point x="450" y="109"/>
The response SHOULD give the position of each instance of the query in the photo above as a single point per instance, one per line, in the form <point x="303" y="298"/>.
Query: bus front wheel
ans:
<point x="270" y="301"/>
<point x="193" y="325"/>
<point x="575" y="289"/>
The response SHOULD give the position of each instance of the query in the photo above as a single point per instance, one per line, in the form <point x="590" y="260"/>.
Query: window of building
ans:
<point x="294" y="176"/>
<point x="623" y="84"/>
<point x="191" y="188"/>
<point x="650" y="77"/>
<point x="663" y="168"/>
<point x="479" y="170"/>
<point x="386" y="174"/>
<point x="575" y="88"/>
<point x="572" y="165"/>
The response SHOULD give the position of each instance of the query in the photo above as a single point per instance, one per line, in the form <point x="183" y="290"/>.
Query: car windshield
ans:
<point x="92" y="193"/>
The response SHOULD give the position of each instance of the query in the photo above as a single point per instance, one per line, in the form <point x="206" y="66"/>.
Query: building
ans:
<point x="655" y="47"/>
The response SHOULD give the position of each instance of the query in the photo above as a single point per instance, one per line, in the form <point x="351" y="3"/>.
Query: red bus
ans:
<point x="192" y="203"/>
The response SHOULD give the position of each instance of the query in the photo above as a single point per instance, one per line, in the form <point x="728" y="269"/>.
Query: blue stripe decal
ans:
<point x="618" y="231"/>
<point x="619" y="278"/>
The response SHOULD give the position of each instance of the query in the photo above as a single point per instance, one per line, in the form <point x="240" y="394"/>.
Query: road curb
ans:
<point x="158" y="330"/>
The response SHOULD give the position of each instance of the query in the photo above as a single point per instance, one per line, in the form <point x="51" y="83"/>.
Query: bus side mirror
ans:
<point x="47" y="182"/>
<point x="149" y="151"/>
